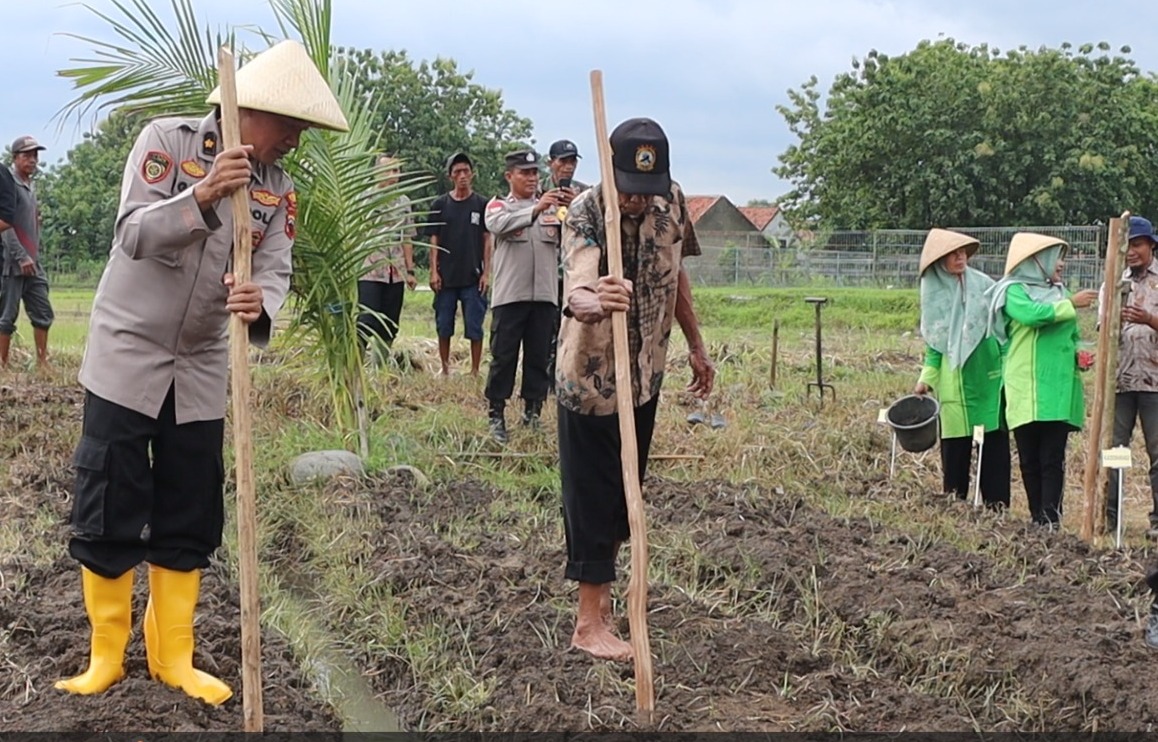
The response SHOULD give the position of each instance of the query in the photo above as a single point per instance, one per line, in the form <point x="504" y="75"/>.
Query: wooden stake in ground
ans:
<point x="242" y="438"/>
<point x="1099" y="431"/>
<point x="775" y="353"/>
<point x="629" y="453"/>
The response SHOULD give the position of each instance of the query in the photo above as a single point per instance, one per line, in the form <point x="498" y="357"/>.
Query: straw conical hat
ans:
<point x="1025" y="245"/>
<point x="283" y="79"/>
<point x="941" y="242"/>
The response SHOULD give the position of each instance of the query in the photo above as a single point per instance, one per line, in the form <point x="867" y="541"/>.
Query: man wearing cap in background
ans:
<point x="460" y="259"/>
<point x="562" y="161"/>
<point x="525" y="289"/>
<point x="656" y="233"/>
<point x="23" y="274"/>
<point x="155" y="367"/>
<point x="1137" y="378"/>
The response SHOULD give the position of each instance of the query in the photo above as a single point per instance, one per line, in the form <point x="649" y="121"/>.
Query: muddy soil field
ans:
<point x="43" y="630"/>
<point x="845" y="627"/>
<point x="794" y="620"/>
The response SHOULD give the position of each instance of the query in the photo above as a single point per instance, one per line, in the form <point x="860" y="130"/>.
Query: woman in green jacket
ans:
<point x="963" y="366"/>
<point x="1032" y="308"/>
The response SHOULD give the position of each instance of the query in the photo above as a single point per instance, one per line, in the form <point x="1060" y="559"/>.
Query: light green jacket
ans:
<point x="1041" y="370"/>
<point x="969" y="394"/>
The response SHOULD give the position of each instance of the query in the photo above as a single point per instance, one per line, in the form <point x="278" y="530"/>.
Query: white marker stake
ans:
<point x="979" y="439"/>
<point x="883" y="419"/>
<point x="1118" y="458"/>
<point x="1121" y="511"/>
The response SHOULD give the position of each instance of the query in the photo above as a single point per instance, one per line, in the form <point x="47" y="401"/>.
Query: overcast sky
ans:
<point x="710" y="71"/>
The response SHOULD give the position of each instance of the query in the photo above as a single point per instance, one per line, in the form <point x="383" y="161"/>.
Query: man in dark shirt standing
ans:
<point x="460" y="259"/>
<point x="7" y="210"/>
<point x="7" y="199"/>
<point x="24" y="278"/>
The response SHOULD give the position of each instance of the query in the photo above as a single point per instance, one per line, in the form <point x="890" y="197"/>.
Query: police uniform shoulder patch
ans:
<point x="257" y="237"/>
<point x="291" y="214"/>
<point x="496" y="204"/>
<point x="193" y="169"/>
<point x="265" y="198"/>
<point x="156" y="166"/>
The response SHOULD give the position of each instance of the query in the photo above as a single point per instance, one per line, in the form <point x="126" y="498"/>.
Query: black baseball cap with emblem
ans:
<point x="522" y="159"/>
<point x="456" y="158"/>
<point x="563" y="148"/>
<point x="639" y="157"/>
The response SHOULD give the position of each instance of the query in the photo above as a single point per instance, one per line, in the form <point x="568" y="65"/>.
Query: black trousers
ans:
<point x="594" y="500"/>
<point x="384" y="299"/>
<point x="146" y="490"/>
<point x="555" y="338"/>
<point x="525" y="324"/>
<point x="1041" y="448"/>
<point x="957" y="464"/>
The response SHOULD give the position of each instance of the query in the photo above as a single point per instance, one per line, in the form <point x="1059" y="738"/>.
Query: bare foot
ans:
<point x="601" y="643"/>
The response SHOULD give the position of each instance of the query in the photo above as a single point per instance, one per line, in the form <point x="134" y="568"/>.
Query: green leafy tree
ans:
<point x="427" y="111"/>
<point x="949" y="134"/>
<point x="79" y="196"/>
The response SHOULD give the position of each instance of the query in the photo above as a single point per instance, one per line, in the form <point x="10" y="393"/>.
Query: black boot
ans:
<point x="532" y="409"/>
<point x="498" y="423"/>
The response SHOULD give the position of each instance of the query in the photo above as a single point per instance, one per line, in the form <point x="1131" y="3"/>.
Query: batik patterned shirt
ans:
<point x="388" y="264"/>
<point x="1138" y="344"/>
<point x="654" y="246"/>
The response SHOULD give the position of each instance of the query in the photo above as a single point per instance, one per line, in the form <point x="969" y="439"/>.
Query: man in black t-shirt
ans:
<point x="460" y="260"/>
<point x="7" y="212"/>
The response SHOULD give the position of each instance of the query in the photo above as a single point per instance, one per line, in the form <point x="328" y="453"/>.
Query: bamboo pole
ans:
<point x="629" y="452"/>
<point x="1113" y="301"/>
<point x="242" y="437"/>
<point x="1100" y="433"/>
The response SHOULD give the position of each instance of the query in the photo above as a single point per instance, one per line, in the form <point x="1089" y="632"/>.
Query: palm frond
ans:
<point x="313" y="21"/>
<point x="342" y="212"/>
<point x="149" y="69"/>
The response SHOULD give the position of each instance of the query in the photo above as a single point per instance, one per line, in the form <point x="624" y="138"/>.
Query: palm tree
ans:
<point x="153" y="71"/>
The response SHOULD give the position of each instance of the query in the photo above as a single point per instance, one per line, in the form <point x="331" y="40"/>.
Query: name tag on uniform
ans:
<point x="548" y="218"/>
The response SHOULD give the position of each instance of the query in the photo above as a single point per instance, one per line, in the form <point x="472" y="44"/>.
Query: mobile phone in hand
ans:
<point x="564" y="182"/>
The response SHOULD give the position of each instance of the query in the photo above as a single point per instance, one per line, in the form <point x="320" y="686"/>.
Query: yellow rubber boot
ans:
<point x="169" y="635"/>
<point x="109" y="605"/>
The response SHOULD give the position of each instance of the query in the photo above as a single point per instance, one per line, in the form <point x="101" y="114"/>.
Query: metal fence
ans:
<point x="871" y="258"/>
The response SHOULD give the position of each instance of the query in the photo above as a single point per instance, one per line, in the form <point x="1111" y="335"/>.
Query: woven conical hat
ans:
<point x="941" y="242"/>
<point x="284" y="80"/>
<point x="1025" y="245"/>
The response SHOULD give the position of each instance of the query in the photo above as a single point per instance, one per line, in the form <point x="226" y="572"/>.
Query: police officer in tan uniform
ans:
<point x="149" y="481"/>
<point x="524" y="289"/>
